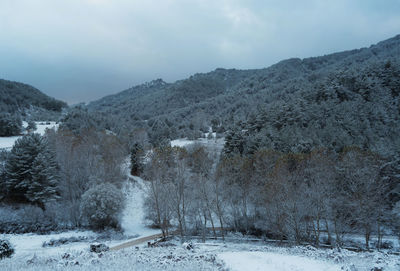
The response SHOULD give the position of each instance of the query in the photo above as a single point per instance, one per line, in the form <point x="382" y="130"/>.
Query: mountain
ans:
<point x="336" y="100"/>
<point x="19" y="98"/>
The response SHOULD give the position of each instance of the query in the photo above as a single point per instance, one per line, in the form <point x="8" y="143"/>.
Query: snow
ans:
<point x="42" y="126"/>
<point x="26" y="245"/>
<point x="214" y="145"/>
<point x="259" y="261"/>
<point x="182" y="142"/>
<point x="8" y="142"/>
<point x="133" y="219"/>
<point x="212" y="255"/>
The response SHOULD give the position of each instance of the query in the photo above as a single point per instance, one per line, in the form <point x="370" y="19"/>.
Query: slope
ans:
<point x="351" y="96"/>
<point x="18" y="98"/>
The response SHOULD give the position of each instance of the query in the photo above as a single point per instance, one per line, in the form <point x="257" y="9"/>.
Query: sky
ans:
<point x="82" y="50"/>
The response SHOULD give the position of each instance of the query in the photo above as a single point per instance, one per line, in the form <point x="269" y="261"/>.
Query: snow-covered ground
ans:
<point x="42" y="126"/>
<point x="213" y="145"/>
<point x="27" y="245"/>
<point x="184" y="142"/>
<point x="212" y="255"/>
<point x="8" y="142"/>
<point x="260" y="261"/>
<point x="133" y="219"/>
<point x="133" y="223"/>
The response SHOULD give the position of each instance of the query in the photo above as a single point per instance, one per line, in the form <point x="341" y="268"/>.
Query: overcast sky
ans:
<point x="81" y="50"/>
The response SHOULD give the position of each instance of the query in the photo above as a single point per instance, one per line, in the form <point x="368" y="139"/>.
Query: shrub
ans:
<point x="101" y="206"/>
<point x="31" y="126"/>
<point x="10" y="125"/>
<point x="6" y="249"/>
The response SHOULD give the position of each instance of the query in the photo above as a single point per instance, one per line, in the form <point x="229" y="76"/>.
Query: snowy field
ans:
<point x="213" y="145"/>
<point x="212" y="255"/>
<point x="260" y="261"/>
<point x="8" y="142"/>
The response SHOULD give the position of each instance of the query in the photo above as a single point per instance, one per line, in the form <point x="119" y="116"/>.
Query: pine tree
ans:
<point x="136" y="157"/>
<point x="43" y="187"/>
<point x="31" y="126"/>
<point x="19" y="164"/>
<point x="31" y="171"/>
<point x="10" y="125"/>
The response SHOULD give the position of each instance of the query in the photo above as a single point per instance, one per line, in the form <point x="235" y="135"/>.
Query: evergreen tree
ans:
<point x="31" y="171"/>
<point x="136" y="157"/>
<point x="10" y="125"/>
<point x="31" y="126"/>
<point x="43" y="187"/>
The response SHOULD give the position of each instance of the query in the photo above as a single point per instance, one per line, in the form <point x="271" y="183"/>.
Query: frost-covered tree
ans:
<point x="43" y="186"/>
<point x="101" y="206"/>
<point x="31" y="173"/>
<point x="31" y="126"/>
<point x="364" y="189"/>
<point x="10" y="125"/>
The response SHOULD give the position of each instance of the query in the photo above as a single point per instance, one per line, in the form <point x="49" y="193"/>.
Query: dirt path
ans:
<point x="147" y="238"/>
<point x="136" y="241"/>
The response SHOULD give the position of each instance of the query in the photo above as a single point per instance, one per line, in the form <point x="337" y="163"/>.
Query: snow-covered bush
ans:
<point x="98" y="248"/>
<point x="6" y="249"/>
<point x="10" y="125"/>
<point x="31" y="126"/>
<point x="101" y="206"/>
<point x="64" y="240"/>
<point x="28" y="218"/>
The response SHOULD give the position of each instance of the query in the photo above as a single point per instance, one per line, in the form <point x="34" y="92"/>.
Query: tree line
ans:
<point x="318" y="197"/>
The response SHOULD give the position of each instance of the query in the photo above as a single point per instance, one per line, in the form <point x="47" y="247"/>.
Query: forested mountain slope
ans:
<point x="341" y="99"/>
<point x="18" y="98"/>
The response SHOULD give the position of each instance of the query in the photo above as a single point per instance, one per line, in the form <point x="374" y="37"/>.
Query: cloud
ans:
<point x="80" y="50"/>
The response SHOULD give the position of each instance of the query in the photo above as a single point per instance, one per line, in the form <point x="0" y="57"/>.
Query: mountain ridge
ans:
<point x="366" y="79"/>
<point x="23" y="99"/>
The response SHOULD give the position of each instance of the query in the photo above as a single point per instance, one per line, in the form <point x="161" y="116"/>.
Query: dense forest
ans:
<point x="356" y="92"/>
<point x="24" y="100"/>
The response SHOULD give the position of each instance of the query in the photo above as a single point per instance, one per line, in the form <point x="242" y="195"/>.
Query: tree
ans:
<point x="10" y="125"/>
<point x="31" y="126"/>
<point x="159" y="173"/>
<point x="31" y="173"/>
<point x="136" y="157"/>
<point x="363" y="188"/>
<point x="43" y="187"/>
<point x="101" y="205"/>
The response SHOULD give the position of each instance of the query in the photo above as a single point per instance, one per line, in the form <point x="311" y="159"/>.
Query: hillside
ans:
<point x="346" y="98"/>
<point x="19" y="98"/>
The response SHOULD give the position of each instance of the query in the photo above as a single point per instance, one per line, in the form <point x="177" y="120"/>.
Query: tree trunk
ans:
<point x="328" y="232"/>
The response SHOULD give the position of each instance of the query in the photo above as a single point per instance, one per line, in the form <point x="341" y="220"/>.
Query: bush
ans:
<point x="27" y="218"/>
<point x="64" y="241"/>
<point x="10" y="125"/>
<point x="31" y="126"/>
<point x="102" y="205"/>
<point x="6" y="249"/>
